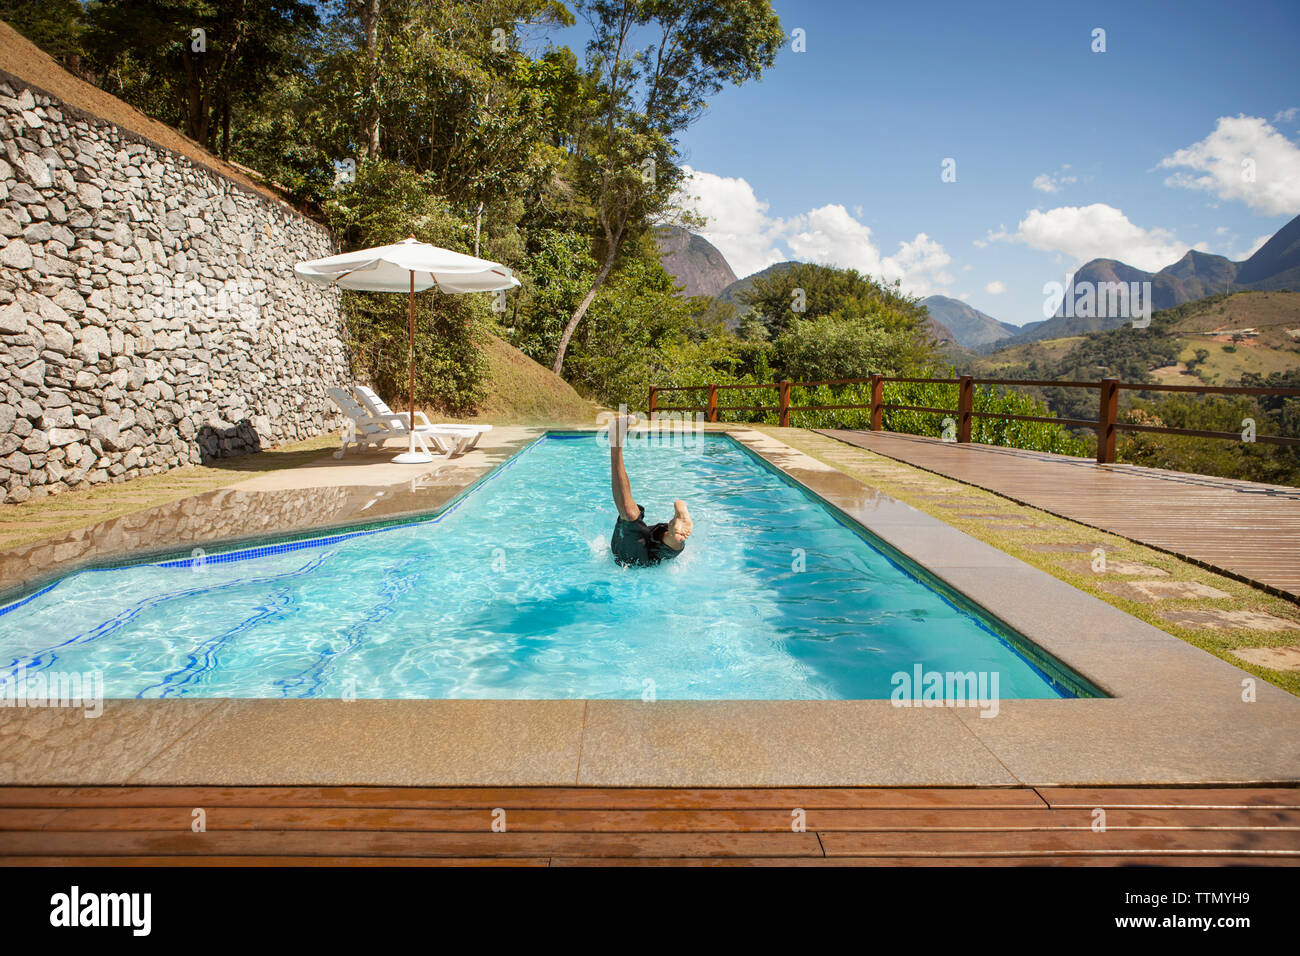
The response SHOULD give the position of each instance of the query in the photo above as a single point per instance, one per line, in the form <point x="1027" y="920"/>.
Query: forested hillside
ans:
<point x="1249" y="338"/>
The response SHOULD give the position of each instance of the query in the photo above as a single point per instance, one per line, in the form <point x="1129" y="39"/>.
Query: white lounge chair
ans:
<point x="364" y="428"/>
<point x="361" y="429"/>
<point x="449" y="437"/>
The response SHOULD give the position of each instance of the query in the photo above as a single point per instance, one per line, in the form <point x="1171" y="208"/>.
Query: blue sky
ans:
<point x="835" y="155"/>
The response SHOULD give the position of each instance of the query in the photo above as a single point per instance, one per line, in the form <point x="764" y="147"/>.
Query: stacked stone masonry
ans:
<point x="149" y="314"/>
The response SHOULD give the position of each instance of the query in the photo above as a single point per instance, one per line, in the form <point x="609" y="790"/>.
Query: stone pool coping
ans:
<point x="1176" y="714"/>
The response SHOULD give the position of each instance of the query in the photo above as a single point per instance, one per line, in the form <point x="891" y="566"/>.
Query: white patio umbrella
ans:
<point x="408" y="266"/>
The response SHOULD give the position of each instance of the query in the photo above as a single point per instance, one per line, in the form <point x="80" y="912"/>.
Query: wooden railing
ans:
<point x="1107" y="425"/>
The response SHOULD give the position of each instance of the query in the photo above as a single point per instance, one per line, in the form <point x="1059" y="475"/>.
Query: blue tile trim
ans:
<point x="31" y="597"/>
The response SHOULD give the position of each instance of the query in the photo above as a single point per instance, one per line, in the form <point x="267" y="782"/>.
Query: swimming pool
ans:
<point x="511" y="592"/>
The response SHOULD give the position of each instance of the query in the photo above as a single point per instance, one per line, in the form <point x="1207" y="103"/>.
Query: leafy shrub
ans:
<point x="830" y="347"/>
<point x="1226" y="457"/>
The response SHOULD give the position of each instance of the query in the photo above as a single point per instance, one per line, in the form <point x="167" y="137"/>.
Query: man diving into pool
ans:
<point x="636" y="543"/>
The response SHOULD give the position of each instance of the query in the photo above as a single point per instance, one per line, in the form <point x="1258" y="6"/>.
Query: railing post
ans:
<point x="877" y="399"/>
<point x="713" y="403"/>
<point x="783" y="391"/>
<point x="1107" y="416"/>
<point x="654" y="401"/>
<point x="965" y="405"/>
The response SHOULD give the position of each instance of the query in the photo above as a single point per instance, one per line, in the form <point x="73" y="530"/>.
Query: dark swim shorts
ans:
<point x="639" y="544"/>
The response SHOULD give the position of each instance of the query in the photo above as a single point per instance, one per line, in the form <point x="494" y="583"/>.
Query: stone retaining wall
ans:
<point x="149" y="314"/>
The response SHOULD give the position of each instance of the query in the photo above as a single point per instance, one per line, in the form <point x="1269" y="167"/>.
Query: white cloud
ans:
<point x="832" y="236"/>
<point x="1052" y="182"/>
<point x="1286" y="115"/>
<point x="739" y="225"/>
<point x="1096" y="231"/>
<point x="1244" y="159"/>
<point x="995" y="287"/>
<point x="918" y="265"/>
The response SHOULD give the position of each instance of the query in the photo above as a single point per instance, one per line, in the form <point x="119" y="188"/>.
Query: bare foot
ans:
<point x="680" y="527"/>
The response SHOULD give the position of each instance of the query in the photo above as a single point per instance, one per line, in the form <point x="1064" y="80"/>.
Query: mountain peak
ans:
<point x="1276" y="264"/>
<point x="970" y="327"/>
<point x="693" y="261"/>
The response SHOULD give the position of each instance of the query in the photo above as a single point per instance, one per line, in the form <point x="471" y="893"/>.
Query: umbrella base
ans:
<point x="417" y="452"/>
<point x="413" y="458"/>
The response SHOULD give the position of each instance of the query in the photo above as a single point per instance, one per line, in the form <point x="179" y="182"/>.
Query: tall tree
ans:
<point x="202" y="55"/>
<point x="652" y="66"/>
<point x="369" y="14"/>
<point x="55" y="26"/>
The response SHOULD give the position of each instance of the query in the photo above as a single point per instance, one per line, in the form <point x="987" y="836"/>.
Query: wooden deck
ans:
<point x="1244" y="530"/>
<point x="553" y="826"/>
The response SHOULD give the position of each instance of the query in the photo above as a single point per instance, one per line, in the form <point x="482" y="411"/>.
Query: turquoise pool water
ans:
<point x="512" y="593"/>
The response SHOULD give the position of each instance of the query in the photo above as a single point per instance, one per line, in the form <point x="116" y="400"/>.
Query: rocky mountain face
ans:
<point x="693" y="261"/>
<point x="1276" y="265"/>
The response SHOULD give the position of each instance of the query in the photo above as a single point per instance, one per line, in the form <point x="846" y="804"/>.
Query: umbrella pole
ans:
<point x="411" y="456"/>
<point x="411" y="354"/>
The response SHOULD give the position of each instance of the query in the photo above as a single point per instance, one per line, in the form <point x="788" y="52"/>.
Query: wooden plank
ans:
<point x="354" y="843"/>
<point x="1062" y="842"/>
<point x="301" y="826"/>
<point x="928" y="861"/>
<point x="1212" y="797"/>
<point x="286" y="861"/>
<point x="27" y="819"/>
<point x="521" y="797"/>
<point x="634" y="821"/>
<point x="63" y="861"/>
